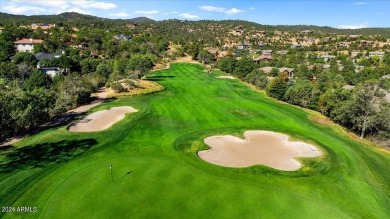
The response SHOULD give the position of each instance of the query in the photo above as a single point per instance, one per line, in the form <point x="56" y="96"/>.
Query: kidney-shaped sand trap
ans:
<point x="259" y="147"/>
<point x="226" y="77"/>
<point x="101" y="120"/>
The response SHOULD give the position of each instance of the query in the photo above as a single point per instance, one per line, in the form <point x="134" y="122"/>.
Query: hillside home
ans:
<point x="282" y="52"/>
<point x="131" y="26"/>
<point x="327" y="57"/>
<point x="213" y="50"/>
<point x="266" y="69"/>
<point x="42" y="55"/>
<point x="354" y="36"/>
<point x="52" y="71"/>
<point x="42" y="26"/>
<point x="289" y="71"/>
<point x="238" y="32"/>
<point x="379" y="54"/>
<point x="26" y="45"/>
<point x="343" y="44"/>
<point x="307" y="40"/>
<point x="266" y="52"/>
<point x="123" y="37"/>
<point x="265" y="58"/>
<point x="243" y="46"/>
<point x="296" y="46"/>
<point x="306" y="31"/>
<point x="354" y="53"/>
<point x="261" y="32"/>
<point x="348" y="87"/>
<point x="366" y="43"/>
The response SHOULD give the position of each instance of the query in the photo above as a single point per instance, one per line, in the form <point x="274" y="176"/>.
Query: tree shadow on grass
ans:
<point x="159" y="77"/>
<point x="41" y="155"/>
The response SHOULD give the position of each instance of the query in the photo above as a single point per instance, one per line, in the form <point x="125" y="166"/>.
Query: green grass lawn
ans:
<point x="157" y="174"/>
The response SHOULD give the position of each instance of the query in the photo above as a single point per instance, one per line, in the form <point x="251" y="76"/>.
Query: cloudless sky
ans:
<point x="340" y="14"/>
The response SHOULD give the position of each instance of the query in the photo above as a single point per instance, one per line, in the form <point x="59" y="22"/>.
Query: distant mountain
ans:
<point x="80" y="20"/>
<point x="141" y="20"/>
<point x="64" y="17"/>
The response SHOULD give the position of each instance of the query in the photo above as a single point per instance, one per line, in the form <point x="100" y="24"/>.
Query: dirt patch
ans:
<point x="101" y="120"/>
<point x="226" y="77"/>
<point x="321" y="120"/>
<point x="259" y="147"/>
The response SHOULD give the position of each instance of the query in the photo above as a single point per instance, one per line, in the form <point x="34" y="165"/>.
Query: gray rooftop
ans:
<point x="43" y="55"/>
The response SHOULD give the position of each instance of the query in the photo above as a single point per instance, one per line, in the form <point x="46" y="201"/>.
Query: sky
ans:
<point x="340" y="14"/>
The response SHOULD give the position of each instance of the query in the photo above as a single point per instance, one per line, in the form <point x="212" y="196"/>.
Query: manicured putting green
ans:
<point x="157" y="173"/>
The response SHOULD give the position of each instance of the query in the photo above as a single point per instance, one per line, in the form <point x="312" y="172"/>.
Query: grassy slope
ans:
<point x="67" y="175"/>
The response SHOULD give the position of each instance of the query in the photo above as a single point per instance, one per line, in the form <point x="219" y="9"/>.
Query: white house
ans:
<point x="26" y="45"/>
<point x="379" y="54"/>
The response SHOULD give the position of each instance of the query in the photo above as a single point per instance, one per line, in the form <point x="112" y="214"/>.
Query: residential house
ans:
<point x="366" y="43"/>
<point x="379" y="54"/>
<point x="1" y="29"/>
<point x="131" y="26"/>
<point x="327" y="57"/>
<point x="256" y="59"/>
<point x="289" y="71"/>
<point x="238" y="32"/>
<point x="266" y="69"/>
<point x="261" y="32"/>
<point x="213" y="51"/>
<point x="296" y="46"/>
<point x="266" y="52"/>
<point x="26" y="45"/>
<point x="52" y="71"/>
<point x="42" y="26"/>
<point x="265" y="58"/>
<point x="354" y="53"/>
<point x="307" y="31"/>
<point x="123" y="37"/>
<point x="348" y="87"/>
<point x="225" y="47"/>
<point x="307" y="40"/>
<point x="243" y="46"/>
<point x="343" y="45"/>
<point x="282" y="52"/>
<point x="354" y="36"/>
<point x="359" y="68"/>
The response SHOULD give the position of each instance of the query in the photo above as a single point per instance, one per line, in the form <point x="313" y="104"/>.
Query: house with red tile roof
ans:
<point x="26" y="45"/>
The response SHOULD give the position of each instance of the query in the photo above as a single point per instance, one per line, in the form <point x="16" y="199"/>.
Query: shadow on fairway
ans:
<point x="41" y="155"/>
<point x="159" y="77"/>
<point x="108" y="100"/>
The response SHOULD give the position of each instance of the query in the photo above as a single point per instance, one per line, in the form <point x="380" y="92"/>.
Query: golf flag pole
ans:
<point x="112" y="178"/>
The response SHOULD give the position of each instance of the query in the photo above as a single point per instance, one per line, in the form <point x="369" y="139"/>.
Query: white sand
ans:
<point x="101" y="120"/>
<point x="259" y="147"/>
<point x="226" y="77"/>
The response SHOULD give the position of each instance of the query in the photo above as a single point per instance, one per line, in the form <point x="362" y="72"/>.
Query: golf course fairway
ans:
<point x="156" y="172"/>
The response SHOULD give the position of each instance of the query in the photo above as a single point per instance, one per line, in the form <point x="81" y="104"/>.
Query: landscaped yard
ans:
<point x="157" y="173"/>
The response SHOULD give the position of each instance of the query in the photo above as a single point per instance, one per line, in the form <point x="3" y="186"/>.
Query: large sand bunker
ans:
<point x="101" y="120"/>
<point x="226" y="77"/>
<point x="259" y="147"/>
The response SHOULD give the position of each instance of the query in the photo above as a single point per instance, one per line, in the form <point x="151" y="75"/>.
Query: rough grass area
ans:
<point x="157" y="174"/>
<point x="145" y="87"/>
